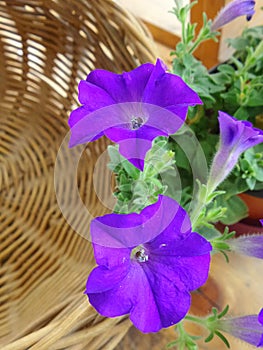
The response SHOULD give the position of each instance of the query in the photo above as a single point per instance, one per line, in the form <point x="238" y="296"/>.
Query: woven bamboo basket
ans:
<point x="47" y="46"/>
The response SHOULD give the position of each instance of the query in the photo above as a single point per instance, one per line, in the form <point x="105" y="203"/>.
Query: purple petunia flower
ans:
<point x="231" y="11"/>
<point x="148" y="263"/>
<point x="236" y="136"/>
<point x="247" y="328"/>
<point x="251" y="245"/>
<point x="131" y="108"/>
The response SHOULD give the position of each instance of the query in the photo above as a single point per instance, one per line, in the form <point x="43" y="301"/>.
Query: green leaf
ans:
<point x="238" y="43"/>
<point x="172" y="344"/>
<point x="236" y="209"/>
<point x="251" y="182"/>
<point x="224" y="312"/>
<point x="241" y="113"/>
<point x="223" y="338"/>
<point x="220" y="79"/>
<point x="131" y="170"/>
<point x="226" y="68"/>
<point x="115" y="157"/>
<point x="209" y="233"/>
<point x="255" y="98"/>
<point x="125" y="188"/>
<point x="259" y="173"/>
<point x="209" y="338"/>
<point x="233" y="185"/>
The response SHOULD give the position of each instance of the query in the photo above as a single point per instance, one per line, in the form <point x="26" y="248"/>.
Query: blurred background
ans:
<point x="165" y="27"/>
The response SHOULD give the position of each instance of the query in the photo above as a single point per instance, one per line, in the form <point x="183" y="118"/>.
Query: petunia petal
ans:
<point x="116" y="301"/>
<point x="167" y="120"/>
<point x="93" y="96"/>
<point x="153" y="303"/>
<point x="115" y="231"/>
<point x="173" y="243"/>
<point x="189" y="258"/>
<point x="260" y="317"/>
<point x="232" y="10"/>
<point x="110" y="257"/>
<point x="251" y="245"/>
<point x="134" y="150"/>
<point x="177" y="230"/>
<point x="192" y="271"/>
<point x="135" y="144"/>
<point x="88" y="126"/>
<point x="260" y="320"/>
<point x="126" y="87"/>
<point x="160" y="302"/>
<point x="179" y="111"/>
<point x="236" y="136"/>
<point x="166" y="89"/>
<point x="247" y="328"/>
<point x="102" y="279"/>
<point x="131" y="230"/>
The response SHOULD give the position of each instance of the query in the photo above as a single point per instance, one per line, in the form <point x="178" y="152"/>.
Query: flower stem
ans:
<point x="199" y="204"/>
<point x="195" y="319"/>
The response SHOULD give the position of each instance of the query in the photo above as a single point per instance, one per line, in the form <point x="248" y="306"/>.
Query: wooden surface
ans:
<point x="162" y="36"/>
<point x="239" y="284"/>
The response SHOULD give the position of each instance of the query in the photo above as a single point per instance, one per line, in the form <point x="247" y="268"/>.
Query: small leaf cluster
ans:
<point x="250" y="167"/>
<point x="137" y="189"/>
<point x="220" y="243"/>
<point x="212" y="325"/>
<point x="186" y="341"/>
<point x="242" y="97"/>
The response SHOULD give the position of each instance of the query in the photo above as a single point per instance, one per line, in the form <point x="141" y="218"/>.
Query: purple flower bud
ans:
<point x="261" y="221"/>
<point x="233" y="10"/>
<point x="236" y="136"/>
<point x="251" y="245"/>
<point x="247" y="328"/>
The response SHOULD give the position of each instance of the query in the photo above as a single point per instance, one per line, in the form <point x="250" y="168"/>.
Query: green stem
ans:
<point x="251" y="60"/>
<point x="199" y="204"/>
<point x="195" y="319"/>
<point x="183" y="32"/>
<point x="195" y="45"/>
<point x="182" y="335"/>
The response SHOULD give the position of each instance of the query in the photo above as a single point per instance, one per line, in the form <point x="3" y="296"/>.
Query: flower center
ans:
<point x="140" y="254"/>
<point x="136" y="123"/>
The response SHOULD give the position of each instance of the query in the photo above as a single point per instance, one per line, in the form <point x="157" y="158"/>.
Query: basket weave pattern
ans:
<point x="46" y="47"/>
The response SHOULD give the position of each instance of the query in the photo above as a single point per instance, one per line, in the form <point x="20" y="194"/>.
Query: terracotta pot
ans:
<point x="254" y="201"/>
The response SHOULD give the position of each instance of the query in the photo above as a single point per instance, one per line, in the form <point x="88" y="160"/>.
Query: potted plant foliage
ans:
<point x="236" y="87"/>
